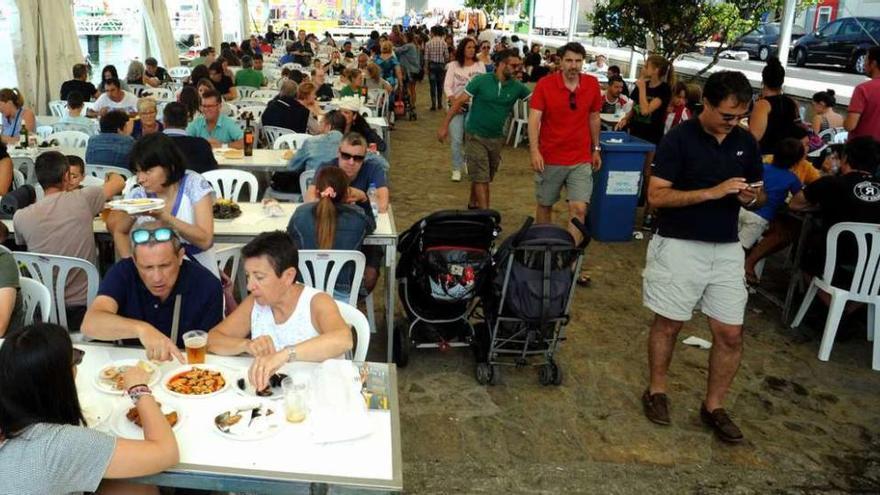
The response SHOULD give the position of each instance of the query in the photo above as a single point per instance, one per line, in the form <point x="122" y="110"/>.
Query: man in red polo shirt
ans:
<point x="564" y="137"/>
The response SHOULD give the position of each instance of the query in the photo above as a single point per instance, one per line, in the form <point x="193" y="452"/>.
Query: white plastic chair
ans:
<point x="828" y="134"/>
<point x="179" y="73"/>
<point x="292" y="66"/>
<point x="264" y="94"/>
<point x="355" y="318"/>
<point x="271" y="133"/>
<point x="136" y="89"/>
<point x="58" y="108"/>
<point x="44" y="131"/>
<point x="35" y="295"/>
<point x="520" y="121"/>
<point x="255" y="110"/>
<point x="87" y="129"/>
<point x="164" y="94"/>
<point x="18" y="179"/>
<point x="52" y="271"/>
<point x="306" y="178"/>
<point x="865" y="285"/>
<point x="245" y="91"/>
<point x="100" y="171"/>
<point x="293" y="141"/>
<point x="251" y="102"/>
<point x="229" y="110"/>
<point x="320" y="269"/>
<point x="230" y="255"/>
<point x="840" y="137"/>
<point x="25" y="165"/>
<point x="228" y="182"/>
<point x="70" y="139"/>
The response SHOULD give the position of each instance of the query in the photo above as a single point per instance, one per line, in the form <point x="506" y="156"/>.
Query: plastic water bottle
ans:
<point x="374" y="199"/>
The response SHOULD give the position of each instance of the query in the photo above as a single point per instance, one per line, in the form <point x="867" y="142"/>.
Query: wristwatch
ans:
<point x="597" y="148"/>
<point x="291" y="353"/>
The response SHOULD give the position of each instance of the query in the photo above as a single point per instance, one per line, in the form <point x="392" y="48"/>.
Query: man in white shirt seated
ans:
<point x="114" y="98"/>
<point x="599" y="65"/>
<point x="614" y="101"/>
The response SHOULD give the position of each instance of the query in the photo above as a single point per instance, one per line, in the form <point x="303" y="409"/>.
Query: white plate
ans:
<point x="249" y="391"/>
<point x="126" y="429"/>
<point x="96" y="411"/>
<point x="224" y="372"/>
<point x="139" y="205"/>
<point x="109" y="388"/>
<point x="264" y="426"/>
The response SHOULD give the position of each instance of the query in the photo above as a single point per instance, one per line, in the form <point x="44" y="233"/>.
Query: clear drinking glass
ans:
<point x="196" y="343"/>
<point x="295" y="390"/>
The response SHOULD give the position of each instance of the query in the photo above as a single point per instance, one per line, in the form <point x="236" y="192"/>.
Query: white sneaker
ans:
<point x="456" y="176"/>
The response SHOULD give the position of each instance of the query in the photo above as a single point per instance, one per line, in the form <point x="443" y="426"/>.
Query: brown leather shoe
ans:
<point x="656" y="407"/>
<point x="721" y="423"/>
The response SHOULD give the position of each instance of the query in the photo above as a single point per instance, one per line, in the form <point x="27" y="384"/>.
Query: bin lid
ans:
<point x="623" y="141"/>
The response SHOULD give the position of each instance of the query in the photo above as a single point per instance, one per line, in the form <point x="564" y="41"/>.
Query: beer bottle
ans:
<point x="248" y="137"/>
<point x="24" y="136"/>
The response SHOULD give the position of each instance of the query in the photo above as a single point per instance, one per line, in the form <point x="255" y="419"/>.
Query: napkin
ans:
<point x="338" y="412"/>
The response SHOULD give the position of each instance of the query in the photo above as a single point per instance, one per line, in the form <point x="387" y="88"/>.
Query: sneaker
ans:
<point x="456" y="176"/>
<point x="721" y="423"/>
<point x="656" y="407"/>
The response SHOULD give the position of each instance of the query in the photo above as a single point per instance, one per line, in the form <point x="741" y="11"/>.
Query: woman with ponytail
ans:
<point x="332" y="222"/>
<point x="647" y="119"/>
<point x="15" y="116"/>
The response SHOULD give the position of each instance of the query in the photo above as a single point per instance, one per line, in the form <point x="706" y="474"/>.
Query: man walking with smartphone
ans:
<point x="705" y="169"/>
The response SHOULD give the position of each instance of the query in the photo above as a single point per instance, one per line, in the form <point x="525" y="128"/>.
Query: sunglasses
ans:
<point x="572" y="100"/>
<point x="727" y="117"/>
<point x="78" y="355"/>
<point x="349" y="156"/>
<point x="143" y="236"/>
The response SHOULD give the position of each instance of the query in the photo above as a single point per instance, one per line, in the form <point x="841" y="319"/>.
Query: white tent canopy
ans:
<point x="159" y="32"/>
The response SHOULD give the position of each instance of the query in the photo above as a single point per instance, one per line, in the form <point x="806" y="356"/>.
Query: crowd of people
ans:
<point x="714" y="194"/>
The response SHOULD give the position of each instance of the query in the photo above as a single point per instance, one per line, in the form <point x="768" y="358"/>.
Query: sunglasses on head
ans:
<point x="143" y="236"/>
<point x="349" y="156"/>
<point x="78" y="356"/>
<point x="572" y="100"/>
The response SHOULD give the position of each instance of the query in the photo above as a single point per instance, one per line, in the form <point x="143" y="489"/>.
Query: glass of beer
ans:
<point x="295" y="391"/>
<point x="196" y="343"/>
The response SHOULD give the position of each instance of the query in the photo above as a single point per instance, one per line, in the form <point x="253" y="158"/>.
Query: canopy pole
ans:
<point x="573" y="21"/>
<point x="531" y="20"/>
<point x="785" y="32"/>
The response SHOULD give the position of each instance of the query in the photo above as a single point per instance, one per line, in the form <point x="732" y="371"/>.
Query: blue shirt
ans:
<point x="322" y="149"/>
<point x="201" y="305"/>
<point x="286" y="59"/>
<point x="226" y="130"/>
<point x="778" y="182"/>
<point x="370" y="173"/>
<point x="109" y="148"/>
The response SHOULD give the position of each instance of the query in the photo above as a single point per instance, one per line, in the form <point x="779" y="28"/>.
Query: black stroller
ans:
<point x="527" y="314"/>
<point x="445" y="262"/>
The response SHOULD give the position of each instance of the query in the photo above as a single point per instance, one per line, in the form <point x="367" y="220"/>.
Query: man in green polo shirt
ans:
<point x="216" y="128"/>
<point x="492" y="97"/>
<point x="250" y="75"/>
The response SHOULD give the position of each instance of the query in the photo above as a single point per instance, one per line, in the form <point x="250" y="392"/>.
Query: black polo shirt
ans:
<point x="692" y="159"/>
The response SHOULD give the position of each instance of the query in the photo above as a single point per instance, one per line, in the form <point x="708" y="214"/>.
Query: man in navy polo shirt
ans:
<point x="137" y="298"/>
<point x="704" y="171"/>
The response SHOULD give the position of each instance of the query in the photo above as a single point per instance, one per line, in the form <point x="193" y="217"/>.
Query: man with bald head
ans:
<point x="137" y="298"/>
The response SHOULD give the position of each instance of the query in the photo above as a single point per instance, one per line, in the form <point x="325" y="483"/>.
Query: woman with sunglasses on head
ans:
<point x="45" y="444"/>
<point x="484" y="55"/>
<point x="459" y="73"/>
<point x="189" y="200"/>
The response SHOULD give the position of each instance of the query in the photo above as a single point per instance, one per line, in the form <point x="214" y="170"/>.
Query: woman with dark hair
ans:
<point x="45" y="444"/>
<point x="459" y="72"/>
<point x="824" y="116"/>
<point x="199" y="73"/>
<point x="190" y="99"/>
<point x="483" y="55"/>
<point x="774" y="115"/>
<point x="107" y="73"/>
<point x="189" y="200"/>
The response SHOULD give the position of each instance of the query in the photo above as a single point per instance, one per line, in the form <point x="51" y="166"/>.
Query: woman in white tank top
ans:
<point x="281" y="320"/>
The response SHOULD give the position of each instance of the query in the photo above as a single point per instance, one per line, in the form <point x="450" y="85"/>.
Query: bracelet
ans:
<point x="137" y="391"/>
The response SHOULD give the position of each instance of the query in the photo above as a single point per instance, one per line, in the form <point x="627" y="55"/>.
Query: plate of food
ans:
<point x="244" y="387"/>
<point x="137" y="205"/>
<point x="196" y="381"/>
<point x="127" y="422"/>
<point x="233" y="154"/>
<point x="249" y="421"/>
<point x="226" y="210"/>
<point x="109" y="378"/>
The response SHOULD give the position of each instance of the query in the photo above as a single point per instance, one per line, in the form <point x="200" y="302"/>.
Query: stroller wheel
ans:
<point x="484" y="373"/>
<point x="401" y="344"/>
<point x="551" y="374"/>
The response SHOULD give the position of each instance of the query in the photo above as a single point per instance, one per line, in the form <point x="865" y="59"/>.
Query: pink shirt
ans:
<point x="866" y="101"/>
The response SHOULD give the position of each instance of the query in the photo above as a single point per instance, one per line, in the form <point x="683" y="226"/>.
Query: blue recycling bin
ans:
<point x="616" y="186"/>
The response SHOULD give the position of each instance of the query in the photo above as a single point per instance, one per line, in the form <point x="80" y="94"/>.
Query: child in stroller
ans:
<point x="445" y="259"/>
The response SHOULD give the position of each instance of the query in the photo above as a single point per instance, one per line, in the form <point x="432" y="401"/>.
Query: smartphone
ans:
<point x="755" y="185"/>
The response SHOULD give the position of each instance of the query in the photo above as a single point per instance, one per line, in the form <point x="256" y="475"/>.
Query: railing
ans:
<point x="106" y="24"/>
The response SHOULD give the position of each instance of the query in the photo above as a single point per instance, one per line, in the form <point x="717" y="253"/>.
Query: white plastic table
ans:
<point x="288" y="462"/>
<point x="262" y="160"/>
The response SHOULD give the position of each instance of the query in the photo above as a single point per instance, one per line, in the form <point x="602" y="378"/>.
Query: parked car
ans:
<point x="843" y="42"/>
<point x="763" y="41"/>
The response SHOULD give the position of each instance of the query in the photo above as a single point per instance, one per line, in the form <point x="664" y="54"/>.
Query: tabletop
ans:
<point x="34" y="151"/>
<point x="261" y="160"/>
<point x="295" y="455"/>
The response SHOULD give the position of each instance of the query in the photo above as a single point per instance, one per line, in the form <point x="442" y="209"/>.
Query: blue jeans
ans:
<point x="456" y="139"/>
<point x="436" y="75"/>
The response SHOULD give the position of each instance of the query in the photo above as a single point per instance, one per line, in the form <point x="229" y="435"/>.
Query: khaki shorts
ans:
<point x="682" y="275"/>
<point x="483" y="157"/>
<point x="577" y="179"/>
<point x="751" y="227"/>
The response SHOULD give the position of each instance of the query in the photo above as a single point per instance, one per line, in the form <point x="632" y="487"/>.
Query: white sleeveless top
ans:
<point x="298" y="328"/>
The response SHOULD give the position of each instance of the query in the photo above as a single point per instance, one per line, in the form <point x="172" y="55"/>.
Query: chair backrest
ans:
<point x="44" y="131"/>
<point x="865" y="284"/>
<point x="88" y="129"/>
<point x="180" y="72"/>
<point x="225" y="254"/>
<point x="100" y="171"/>
<point x="136" y="89"/>
<point x="229" y="110"/>
<point x="306" y="178"/>
<point x="321" y="268"/>
<point x="18" y="179"/>
<point x="130" y="183"/>
<point x="228" y="182"/>
<point x="367" y="112"/>
<point x="292" y="66"/>
<point x="25" y="165"/>
<point x="271" y="133"/>
<point x="159" y="93"/>
<point x="245" y="91"/>
<point x="264" y="94"/>
<point x="382" y="104"/>
<point x="828" y="134"/>
<point x="70" y="139"/>
<point x="361" y="325"/>
<point x="292" y="141"/>
<point x="251" y="102"/>
<point x="840" y="137"/>
<point x="255" y="110"/>
<point x="52" y="271"/>
<point x="58" y="108"/>
<point x="35" y="295"/>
